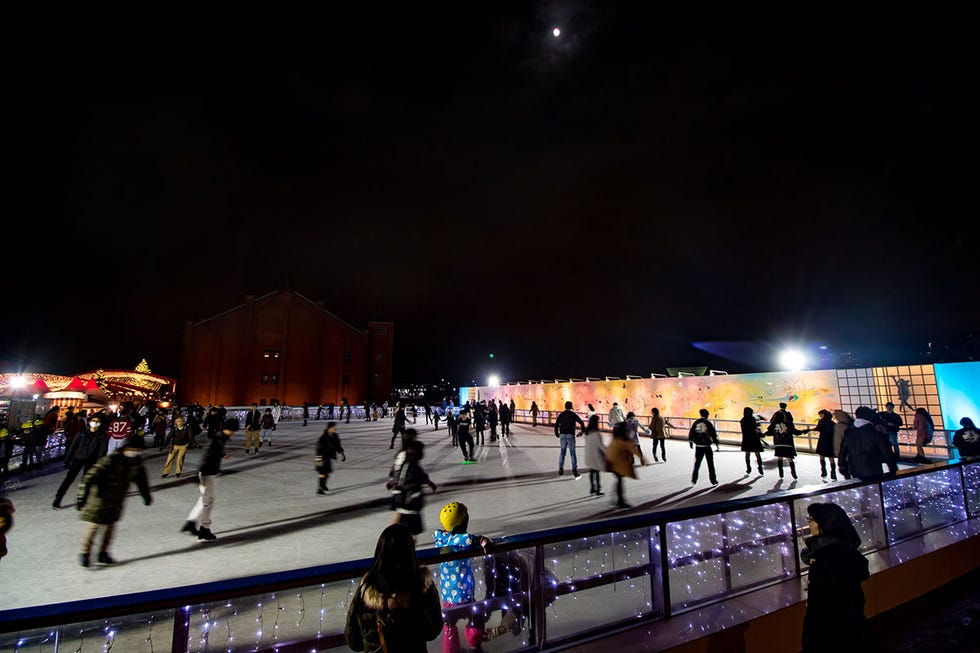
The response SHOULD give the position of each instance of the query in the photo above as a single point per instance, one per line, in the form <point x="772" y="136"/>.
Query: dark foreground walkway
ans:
<point x="946" y="620"/>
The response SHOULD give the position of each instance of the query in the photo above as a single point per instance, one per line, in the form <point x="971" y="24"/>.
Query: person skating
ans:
<point x="492" y="419"/>
<point x="266" y="426"/>
<point x="619" y="457"/>
<point x="634" y="428"/>
<point x="328" y="447"/>
<point x="595" y="455"/>
<point x="783" y="445"/>
<point x="180" y="440"/>
<point x="86" y="448"/>
<point x="199" y="519"/>
<point x="534" y="414"/>
<point x="616" y="414"/>
<point x="825" y="443"/>
<point x="463" y="436"/>
<point x="701" y="436"/>
<point x="101" y="495"/>
<point x="452" y="425"/>
<point x="253" y="424"/>
<point x="405" y="483"/>
<point x="565" y="430"/>
<point x="398" y="426"/>
<point x="751" y="439"/>
<point x="479" y="422"/>
<point x="658" y="430"/>
<point x="6" y="523"/>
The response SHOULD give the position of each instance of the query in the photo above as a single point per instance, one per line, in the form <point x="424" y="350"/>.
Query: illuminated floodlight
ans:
<point x="18" y="382"/>
<point x="493" y="381"/>
<point x="792" y="360"/>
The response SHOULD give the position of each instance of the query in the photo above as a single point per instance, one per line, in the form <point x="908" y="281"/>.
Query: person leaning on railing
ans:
<point x="864" y="449"/>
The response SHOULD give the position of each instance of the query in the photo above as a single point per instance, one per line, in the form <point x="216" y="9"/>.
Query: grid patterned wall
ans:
<point x="909" y="387"/>
<point x="856" y="387"/>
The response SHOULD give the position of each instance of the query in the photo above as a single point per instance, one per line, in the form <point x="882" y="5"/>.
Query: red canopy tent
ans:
<point x="76" y="385"/>
<point x="39" y="387"/>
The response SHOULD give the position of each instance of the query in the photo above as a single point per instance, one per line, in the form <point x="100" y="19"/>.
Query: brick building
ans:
<point x="283" y="346"/>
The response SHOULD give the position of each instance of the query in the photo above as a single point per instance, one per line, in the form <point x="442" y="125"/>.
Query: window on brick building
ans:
<point x="378" y="379"/>
<point x="346" y="379"/>
<point x="265" y="378"/>
<point x="274" y="378"/>
<point x="346" y="355"/>
<point x="380" y="357"/>
<point x="381" y="330"/>
<point x="267" y="353"/>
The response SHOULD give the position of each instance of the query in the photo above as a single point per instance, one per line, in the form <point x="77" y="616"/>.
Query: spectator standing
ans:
<point x="456" y="579"/>
<point x="842" y="422"/>
<point x="700" y="438"/>
<point x="751" y="440"/>
<point x="396" y="606"/>
<point x="834" y="619"/>
<point x="199" y="519"/>
<point x="924" y="428"/>
<point x="492" y="420"/>
<point x="967" y="439"/>
<point x="398" y="427"/>
<point x="505" y="417"/>
<point x="306" y="412"/>
<point x="534" y="413"/>
<point x="101" y="495"/>
<point x="565" y="429"/>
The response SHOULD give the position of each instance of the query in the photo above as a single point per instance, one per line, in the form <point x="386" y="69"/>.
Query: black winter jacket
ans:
<point x="862" y="452"/>
<point x="835" y="618"/>
<point x="408" y="619"/>
<point x="566" y="422"/>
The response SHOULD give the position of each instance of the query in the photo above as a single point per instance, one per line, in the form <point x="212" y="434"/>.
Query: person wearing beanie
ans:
<point x="834" y="619"/>
<point x="328" y="447"/>
<point x="863" y="450"/>
<point x="102" y="492"/>
<point x="456" y="577"/>
<point x="199" y="520"/>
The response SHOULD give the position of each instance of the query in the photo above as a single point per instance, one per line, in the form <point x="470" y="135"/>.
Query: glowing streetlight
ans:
<point x="493" y="381"/>
<point x="18" y="382"/>
<point x="556" y="32"/>
<point x="792" y="360"/>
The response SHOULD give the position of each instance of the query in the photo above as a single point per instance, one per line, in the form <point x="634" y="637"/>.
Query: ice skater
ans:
<point x="328" y="447"/>
<point x="701" y="436"/>
<point x="199" y="519"/>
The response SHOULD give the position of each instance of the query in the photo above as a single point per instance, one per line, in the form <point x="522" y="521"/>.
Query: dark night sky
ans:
<point x="586" y="205"/>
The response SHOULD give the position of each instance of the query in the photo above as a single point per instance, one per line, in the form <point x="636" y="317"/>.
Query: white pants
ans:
<point x="115" y="444"/>
<point x="201" y="512"/>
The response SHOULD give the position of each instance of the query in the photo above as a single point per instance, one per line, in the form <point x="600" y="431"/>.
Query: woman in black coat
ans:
<point x="825" y="444"/>
<point x="751" y="439"/>
<point x="396" y="607"/>
<point x="834" y="618"/>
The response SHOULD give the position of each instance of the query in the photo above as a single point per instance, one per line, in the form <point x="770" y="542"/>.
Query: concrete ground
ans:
<point x="268" y="518"/>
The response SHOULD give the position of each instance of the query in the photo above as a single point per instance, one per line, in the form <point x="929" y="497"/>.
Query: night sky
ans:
<point x="591" y="204"/>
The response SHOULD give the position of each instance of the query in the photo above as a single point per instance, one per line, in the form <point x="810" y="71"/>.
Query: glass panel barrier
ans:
<point x="138" y="632"/>
<point x="971" y="488"/>
<point x="714" y="556"/>
<point x="921" y="502"/>
<point x="862" y="504"/>
<point x="601" y="580"/>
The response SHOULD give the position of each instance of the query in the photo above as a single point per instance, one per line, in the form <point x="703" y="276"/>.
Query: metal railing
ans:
<point x="559" y="585"/>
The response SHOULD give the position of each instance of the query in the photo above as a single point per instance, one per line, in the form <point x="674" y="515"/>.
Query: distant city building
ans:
<point x="282" y="347"/>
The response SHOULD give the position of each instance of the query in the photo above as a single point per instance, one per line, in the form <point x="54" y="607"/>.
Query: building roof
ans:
<point x="266" y="296"/>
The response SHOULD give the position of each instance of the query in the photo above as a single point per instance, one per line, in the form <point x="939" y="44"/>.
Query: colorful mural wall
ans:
<point x="723" y="396"/>
<point x="948" y="391"/>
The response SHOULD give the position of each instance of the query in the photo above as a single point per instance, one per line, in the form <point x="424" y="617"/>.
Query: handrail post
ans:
<point x="664" y="573"/>
<point x="796" y="540"/>
<point x="182" y="630"/>
<point x="539" y="630"/>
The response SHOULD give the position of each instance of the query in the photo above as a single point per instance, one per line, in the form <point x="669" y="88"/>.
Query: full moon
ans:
<point x="556" y="32"/>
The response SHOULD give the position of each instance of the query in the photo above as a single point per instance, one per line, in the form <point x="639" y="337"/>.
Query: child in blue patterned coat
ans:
<point x="456" y="584"/>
